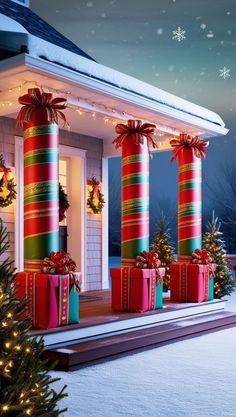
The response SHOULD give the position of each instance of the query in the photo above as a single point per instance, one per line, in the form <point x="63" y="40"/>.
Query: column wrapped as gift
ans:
<point x="39" y="119"/>
<point x="135" y="139"/>
<point x="189" y="150"/>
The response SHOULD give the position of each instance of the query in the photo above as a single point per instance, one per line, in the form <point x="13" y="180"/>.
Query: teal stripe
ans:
<point x="138" y="178"/>
<point x="51" y="128"/>
<point x="133" y="248"/>
<point x="187" y="246"/>
<point x="188" y="184"/>
<point x="41" y="156"/>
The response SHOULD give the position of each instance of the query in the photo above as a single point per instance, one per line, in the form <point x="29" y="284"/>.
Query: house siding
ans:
<point x="94" y="150"/>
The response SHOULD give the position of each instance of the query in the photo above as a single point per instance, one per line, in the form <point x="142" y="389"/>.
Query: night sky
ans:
<point x="136" y="37"/>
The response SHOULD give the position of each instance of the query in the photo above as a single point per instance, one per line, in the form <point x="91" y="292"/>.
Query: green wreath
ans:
<point x="10" y="187"/>
<point x="95" y="201"/>
<point x="63" y="203"/>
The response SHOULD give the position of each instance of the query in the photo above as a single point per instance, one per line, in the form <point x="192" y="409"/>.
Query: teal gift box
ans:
<point x="211" y="283"/>
<point x="159" y="288"/>
<point x="75" y="279"/>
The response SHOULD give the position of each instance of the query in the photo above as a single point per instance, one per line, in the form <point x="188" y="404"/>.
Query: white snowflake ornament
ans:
<point x="224" y="73"/>
<point x="179" y="34"/>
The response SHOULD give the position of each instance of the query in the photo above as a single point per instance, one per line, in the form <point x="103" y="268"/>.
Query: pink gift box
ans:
<point x="134" y="289"/>
<point x="189" y="282"/>
<point x="42" y="293"/>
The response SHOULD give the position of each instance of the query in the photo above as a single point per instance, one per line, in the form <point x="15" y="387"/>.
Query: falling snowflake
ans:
<point x="224" y="73"/>
<point x="179" y="34"/>
<point x="203" y="26"/>
<point x="159" y="31"/>
<point x="210" y="34"/>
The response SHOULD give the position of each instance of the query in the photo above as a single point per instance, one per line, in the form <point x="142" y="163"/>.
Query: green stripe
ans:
<point x="190" y="167"/>
<point x="41" y="197"/>
<point x="137" y="178"/>
<point x="135" y="206"/>
<point x="188" y="184"/>
<point x="134" y="248"/>
<point x="39" y="247"/>
<point x="41" y="156"/>
<point x="41" y="130"/>
<point x="135" y="158"/>
<point x="187" y="246"/>
<point x="189" y="209"/>
<point x="43" y="187"/>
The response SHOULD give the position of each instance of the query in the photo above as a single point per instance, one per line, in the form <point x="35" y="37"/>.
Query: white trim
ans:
<point x="105" y="219"/>
<point x="69" y="151"/>
<point x="19" y="213"/>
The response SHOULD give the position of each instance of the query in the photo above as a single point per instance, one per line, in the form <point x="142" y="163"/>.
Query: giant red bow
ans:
<point x="135" y="127"/>
<point x="201" y="257"/>
<point x="188" y="141"/>
<point x="147" y="260"/>
<point x="35" y="98"/>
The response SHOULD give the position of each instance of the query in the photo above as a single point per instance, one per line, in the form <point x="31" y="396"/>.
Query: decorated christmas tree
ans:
<point x="163" y="246"/>
<point x="215" y="245"/>
<point x="24" y="379"/>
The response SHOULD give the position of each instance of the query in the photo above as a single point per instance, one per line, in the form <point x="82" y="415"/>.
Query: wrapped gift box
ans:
<point x="74" y="300"/>
<point x="211" y="282"/>
<point x="189" y="282"/>
<point x="134" y="289"/>
<point x="51" y="302"/>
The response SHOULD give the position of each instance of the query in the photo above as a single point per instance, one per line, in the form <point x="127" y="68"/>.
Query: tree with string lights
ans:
<point x="215" y="245"/>
<point x="163" y="246"/>
<point x="24" y="378"/>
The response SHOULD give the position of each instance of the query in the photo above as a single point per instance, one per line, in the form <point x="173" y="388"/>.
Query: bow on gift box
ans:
<point x="135" y="127"/>
<point x="37" y="99"/>
<point x="201" y="257"/>
<point x="58" y="263"/>
<point x="75" y="282"/>
<point x="148" y="260"/>
<point x="188" y="141"/>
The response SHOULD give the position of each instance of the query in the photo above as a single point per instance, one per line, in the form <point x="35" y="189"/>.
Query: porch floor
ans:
<point x="95" y="310"/>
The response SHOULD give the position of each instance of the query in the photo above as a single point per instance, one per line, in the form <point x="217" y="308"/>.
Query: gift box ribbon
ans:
<point x="183" y="282"/>
<point x="64" y="285"/>
<point x="188" y="141"/>
<point x="37" y="99"/>
<point x="135" y="127"/>
<point x="125" y="288"/>
<point x="30" y="293"/>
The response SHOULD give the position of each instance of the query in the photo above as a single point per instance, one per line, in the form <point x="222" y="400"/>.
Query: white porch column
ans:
<point x="105" y="233"/>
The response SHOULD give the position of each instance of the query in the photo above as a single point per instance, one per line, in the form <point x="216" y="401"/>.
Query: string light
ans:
<point x="108" y="114"/>
<point x="5" y="407"/>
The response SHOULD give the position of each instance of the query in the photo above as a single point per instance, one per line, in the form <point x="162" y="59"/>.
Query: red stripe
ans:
<point x="41" y="172"/>
<point x="39" y="142"/>
<point x="134" y="232"/>
<point x="189" y="231"/>
<point x="135" y="167"/>
<point x="135" y="191"/>
<point x="189" y="196"/>
<point x="39" y="205"/>
<point x="190" y="174"/>
<point x="41" y="225"/>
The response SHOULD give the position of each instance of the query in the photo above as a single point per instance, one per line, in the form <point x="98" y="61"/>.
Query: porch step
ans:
<point x="74" y="356"/>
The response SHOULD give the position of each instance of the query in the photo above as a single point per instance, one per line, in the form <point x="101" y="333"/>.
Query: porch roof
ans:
<point x="99" y="97"/>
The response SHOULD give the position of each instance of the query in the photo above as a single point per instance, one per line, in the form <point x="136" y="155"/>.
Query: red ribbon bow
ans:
<point x="5" y="174"/>
<point x="188" y="141"/>
<point x="35" y="98"/>
<point x="201" y="257"/>
<point x="75" y="282"/>
<point x="58" y="263"/>
<point x="148" y="260"/>
<point x="135" y="127"/>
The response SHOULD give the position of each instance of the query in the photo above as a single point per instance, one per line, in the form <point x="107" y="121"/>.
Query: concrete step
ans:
<point x="72" y="356"/>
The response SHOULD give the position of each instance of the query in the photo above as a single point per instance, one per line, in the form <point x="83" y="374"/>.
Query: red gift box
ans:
<point x="48" y="298"/>
<point x="134" y="289"/>
<point x="189" y="282"/>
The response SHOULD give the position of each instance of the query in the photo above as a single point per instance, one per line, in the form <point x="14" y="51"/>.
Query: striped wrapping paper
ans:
<point x="39" y="119"/>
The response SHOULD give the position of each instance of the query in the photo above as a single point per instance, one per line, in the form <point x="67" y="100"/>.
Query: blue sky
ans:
<point x="136" y="37"/>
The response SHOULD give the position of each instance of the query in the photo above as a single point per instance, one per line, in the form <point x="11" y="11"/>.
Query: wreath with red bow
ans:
<point x="7" y="185"/>
<point x="95" y="200"/>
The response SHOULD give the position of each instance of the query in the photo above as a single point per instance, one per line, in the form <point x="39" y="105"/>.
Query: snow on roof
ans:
<point x="10" y="25"/>
<point x="42" y="49"/>
<point x="23" y="16"/>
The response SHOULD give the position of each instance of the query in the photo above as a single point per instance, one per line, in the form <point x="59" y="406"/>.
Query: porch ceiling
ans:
<point x="93" y="106"/>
